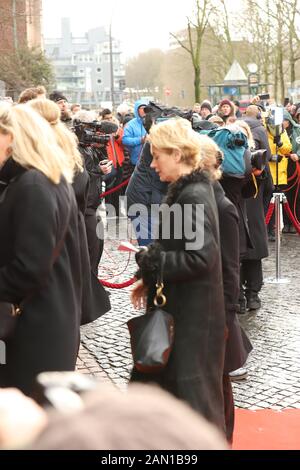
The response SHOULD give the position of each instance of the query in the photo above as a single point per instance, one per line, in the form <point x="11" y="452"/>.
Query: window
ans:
<point x="98" y="70"/>
<point x="99" y="81"/>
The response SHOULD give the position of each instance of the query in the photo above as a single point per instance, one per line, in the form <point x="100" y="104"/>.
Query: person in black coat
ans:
<point x="251" y="265"/>
<point x="144" y="188"/>
<point x="97" y="172"/>
<point x="192" y="272"/>
<point x="40" y="269"/>
<point x="238" y="345"/>
<point x="95" y="301"/>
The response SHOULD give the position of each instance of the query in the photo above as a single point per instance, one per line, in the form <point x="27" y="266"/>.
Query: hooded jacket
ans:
<point x="284" y="150"/>
<point x="134" y="132"/>
<point x="293" y="132"/>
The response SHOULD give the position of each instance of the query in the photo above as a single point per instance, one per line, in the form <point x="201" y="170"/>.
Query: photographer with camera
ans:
<point x="98" y="167"/>
<point x="281" y="148"/>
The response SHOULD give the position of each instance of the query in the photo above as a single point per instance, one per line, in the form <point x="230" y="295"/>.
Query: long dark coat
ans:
<point x="255" y="206"/>
<point x="194" y="291"/>
<point x="41" y="273"/>
<point x="238" y="345"/>
<point x="237" y="190"/>
<point x="95" y="300"/>
<point x="145" y="186"/>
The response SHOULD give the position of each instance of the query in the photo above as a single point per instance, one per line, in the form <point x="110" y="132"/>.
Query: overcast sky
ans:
<point x="139" y="24"/>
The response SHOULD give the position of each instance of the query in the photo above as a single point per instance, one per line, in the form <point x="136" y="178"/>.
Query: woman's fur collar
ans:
<point x="175" y="188"/>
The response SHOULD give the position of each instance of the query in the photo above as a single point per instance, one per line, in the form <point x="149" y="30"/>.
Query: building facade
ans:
<point x="20" y="24"/>
<point x="82" y="66"/>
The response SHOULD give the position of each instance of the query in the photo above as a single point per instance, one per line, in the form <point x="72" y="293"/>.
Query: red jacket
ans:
<point x="115" y="150"/>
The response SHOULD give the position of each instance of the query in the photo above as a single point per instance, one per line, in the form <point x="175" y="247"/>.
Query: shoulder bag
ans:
<point x="152" y="334"/>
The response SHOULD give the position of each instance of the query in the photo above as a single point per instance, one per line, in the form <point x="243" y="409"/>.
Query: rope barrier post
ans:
<point x="278" y="218"/>
<point x="278" y="215"/>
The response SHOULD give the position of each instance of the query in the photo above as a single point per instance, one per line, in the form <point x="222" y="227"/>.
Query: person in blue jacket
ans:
<point x="135" y="133"/>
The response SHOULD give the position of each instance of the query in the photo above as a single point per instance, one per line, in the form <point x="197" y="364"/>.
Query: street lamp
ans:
<point x="252" y="78"/>
<point x="252" y="68"/>
<point x="112" y="78"/>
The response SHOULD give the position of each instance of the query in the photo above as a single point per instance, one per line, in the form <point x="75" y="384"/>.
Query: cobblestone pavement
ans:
<point x="274" y="364"/>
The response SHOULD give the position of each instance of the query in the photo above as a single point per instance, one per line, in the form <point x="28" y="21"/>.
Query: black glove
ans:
<point x="277" y="141"/>
<point x="149" y="263"/>
<point x="276" y="158"/>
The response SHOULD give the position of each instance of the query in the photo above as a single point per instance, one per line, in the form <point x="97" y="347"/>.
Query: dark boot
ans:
<point x="243" y="303"/>
<point x="286" y="228"/>
<point x="272" y="237"/>
<point x="253" y="301"/>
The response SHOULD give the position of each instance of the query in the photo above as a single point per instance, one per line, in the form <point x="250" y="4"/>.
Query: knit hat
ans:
<point x="225" y="102"/>
<point x="57" y="96"/>
<point x="206" y="105"/>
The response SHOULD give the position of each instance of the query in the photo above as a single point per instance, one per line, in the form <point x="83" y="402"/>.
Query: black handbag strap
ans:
<point x="160" y="299"/>
<point x="160" y="274"/>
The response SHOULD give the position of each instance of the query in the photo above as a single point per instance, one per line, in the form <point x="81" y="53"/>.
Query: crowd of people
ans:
<point x="55" y="160"/>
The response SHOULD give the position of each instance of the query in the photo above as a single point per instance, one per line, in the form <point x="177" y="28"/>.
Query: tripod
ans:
<point x="279" y="203"/>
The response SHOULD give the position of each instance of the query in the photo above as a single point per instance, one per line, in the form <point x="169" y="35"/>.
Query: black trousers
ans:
<point x="252" y="275"/>
<point x="113" y="199"/>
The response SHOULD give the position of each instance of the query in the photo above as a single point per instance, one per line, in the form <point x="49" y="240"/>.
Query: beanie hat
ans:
<point x="57" y="96"/>
<point x="225" y="102"/>
<point x="206" y="105"/>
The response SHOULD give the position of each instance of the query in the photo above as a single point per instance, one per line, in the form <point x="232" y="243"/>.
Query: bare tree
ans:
<point x="196" y="28"/>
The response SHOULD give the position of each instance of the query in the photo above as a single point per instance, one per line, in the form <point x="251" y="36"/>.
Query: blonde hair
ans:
<point x="35" y="146"/>
<point x="244" y="127"/>
<point x="65" y="138"/>
<point x="177" y="134"/>
<point x="5" y="120"/>
<point x="216" y="120"/>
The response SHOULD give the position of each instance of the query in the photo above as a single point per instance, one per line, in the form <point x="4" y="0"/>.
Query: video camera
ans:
<point x="94" y="132"/>
<point x="155" y="113"/>
<point x="259" y="159"/>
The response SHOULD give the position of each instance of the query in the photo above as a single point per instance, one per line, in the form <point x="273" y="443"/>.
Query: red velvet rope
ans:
<point x="118" y="286"/>
<point x="270" y="212"/>
<point x="291" y="216"/>
<point x="115" y="189"/>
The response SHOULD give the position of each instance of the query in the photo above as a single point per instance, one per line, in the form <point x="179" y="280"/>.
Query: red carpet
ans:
<point x="267" y="430"/>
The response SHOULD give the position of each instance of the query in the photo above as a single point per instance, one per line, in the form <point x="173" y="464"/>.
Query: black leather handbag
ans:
<point x="152" y="334"/>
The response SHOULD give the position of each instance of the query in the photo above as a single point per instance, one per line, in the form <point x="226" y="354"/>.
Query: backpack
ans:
<point x="233" y="144"/>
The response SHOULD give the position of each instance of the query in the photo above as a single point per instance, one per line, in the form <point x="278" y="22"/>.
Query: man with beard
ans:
<point x="62" y="103"/>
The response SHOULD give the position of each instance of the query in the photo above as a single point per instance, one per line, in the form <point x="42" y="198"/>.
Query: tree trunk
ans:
<point x="276" y="79"/>
<point x="197" y="82"/>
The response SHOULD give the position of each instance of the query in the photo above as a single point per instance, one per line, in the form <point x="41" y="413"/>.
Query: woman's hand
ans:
<point x="139" y="295"/>
<point x="257" y="172"/>
<point x="294" y="157"/>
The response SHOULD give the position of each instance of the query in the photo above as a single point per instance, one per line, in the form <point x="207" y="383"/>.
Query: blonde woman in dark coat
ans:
<point x="39" y="250"/>
<point x="192" y="272"/>
<point x="95" y="301"/>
